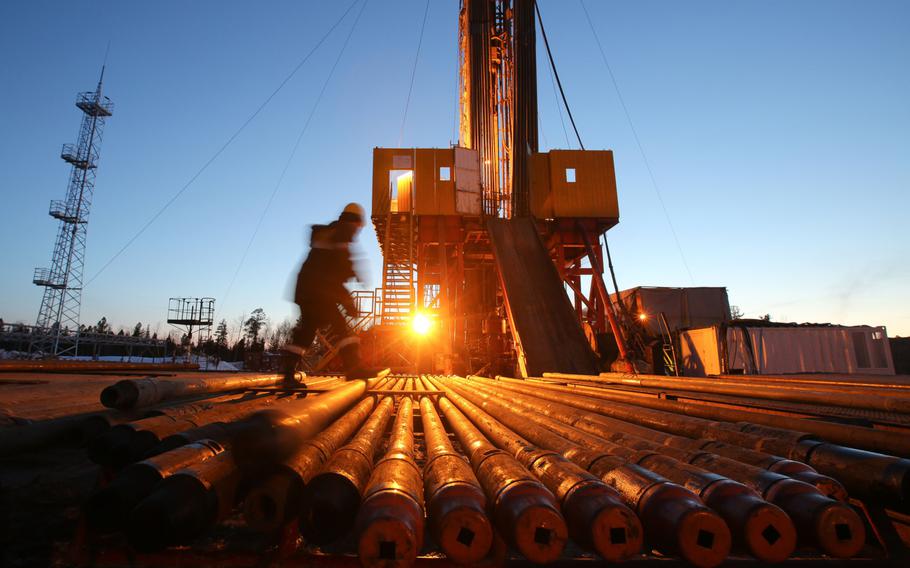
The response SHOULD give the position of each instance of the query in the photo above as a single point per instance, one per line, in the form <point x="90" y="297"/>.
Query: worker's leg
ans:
<point x="348" y="346"/>
<point x="301" y="340"/>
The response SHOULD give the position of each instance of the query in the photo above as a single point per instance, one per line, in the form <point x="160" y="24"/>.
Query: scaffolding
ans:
<point x="192" y="315"/>
<point x="61" y="303"/>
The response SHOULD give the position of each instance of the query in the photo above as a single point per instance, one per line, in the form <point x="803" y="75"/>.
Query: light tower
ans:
<point x="58" y="316"/>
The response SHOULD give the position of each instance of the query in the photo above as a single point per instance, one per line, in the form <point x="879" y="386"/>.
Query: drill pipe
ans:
<point x="96" y="424"/>
<point x="270" y="437"/>
<point x="820" y="521"/>
<point x="66" y="366"/>
<point x="271" y="503"/>
<point x="884" y="478"/>
<point x="331" y="498"/>
<point x="758" y="527"/>
<point x="675" y="520"/>
<point x="108" y="508"/>
<point x="221" y="432"/>
<point x="134" y="393"/>
<point x="595" y="515"/>
<point x="185" y="504"/>
<point x="827" y="485"/>
<point x="854" y="436"/>
<point x="866" y="383"/>
<point x="754" y="389"/>
<point x="454" y="498"/>
<point x="524" y="511"/>
<point x="131" y="441"/>
<point x="390" y="525"/>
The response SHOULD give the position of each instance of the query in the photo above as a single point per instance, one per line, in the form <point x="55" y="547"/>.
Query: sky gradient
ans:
<point x="778" y="134"/>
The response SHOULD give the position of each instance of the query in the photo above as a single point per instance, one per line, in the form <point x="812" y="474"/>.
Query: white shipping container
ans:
<point x="722" y="349"/>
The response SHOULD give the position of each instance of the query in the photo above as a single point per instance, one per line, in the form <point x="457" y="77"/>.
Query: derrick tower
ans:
<point x="58" y="316"/>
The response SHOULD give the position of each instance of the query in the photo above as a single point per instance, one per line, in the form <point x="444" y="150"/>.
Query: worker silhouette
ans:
<point x="321" y="294"/>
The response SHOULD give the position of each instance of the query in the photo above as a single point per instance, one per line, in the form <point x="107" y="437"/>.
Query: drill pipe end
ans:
<point x="703" y="539"/>
<point x="676" y="522"/>
<point x="269" y="504"/>
<point x="758" y="527"/>
<point x="459" y="524"/>
<point x="831" y="526"/>
<point x="598" y="521"/>
<point x="840" y="531"/>
<point x="769" y="534"/>
<point x="90" y="428"/>
<point x="329" y="506"/>
<point x="530" y="522"/>
<point x="120" y="395"/>
<point x="390" y="530"/>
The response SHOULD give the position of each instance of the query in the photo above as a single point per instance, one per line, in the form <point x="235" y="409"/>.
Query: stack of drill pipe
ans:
<point x="847" y="397"/>
<point x="759" y="528"/>
<point x="454" y="498"/>
<point x="270" y="437"/>
<point x="276" y="497"/>
<point x="131" y="441"/>
<point x="220" y="430"/>
<point x="390" y="523"/>
<point x="798" y="470"/>
<point x="853" y="436"/>
<point x="185" y="504"/>
<point x="67" y="366"/>
<point x="867" y="382"/>
<point x="137" y="393"/>
<point x="331" y="498"/>
<point x="676" y="522"/>
<point x="820" y="521"/>
<point x="595" y="515"/>
<point x="524" y="512"/>
<point x="108" y="508"/>
<point x="868" y="475"/>
<point x="74" y="429"/>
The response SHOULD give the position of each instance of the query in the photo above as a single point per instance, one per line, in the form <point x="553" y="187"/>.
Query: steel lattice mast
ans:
<point x="60" y="307"/>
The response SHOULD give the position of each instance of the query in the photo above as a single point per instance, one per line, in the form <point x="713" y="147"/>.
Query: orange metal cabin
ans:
<point x="427" y="210"/>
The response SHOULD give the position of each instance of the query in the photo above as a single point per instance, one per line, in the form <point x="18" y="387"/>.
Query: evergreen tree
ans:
<point x="137" y="329"/>
<point x="253" y="326"/>
<point x="103" y="326"/>
<point x="221" y="334"/>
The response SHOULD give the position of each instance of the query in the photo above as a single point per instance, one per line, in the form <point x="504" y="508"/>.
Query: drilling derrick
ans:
<point x="58" y="316"/>
<point x="484" y="239"/>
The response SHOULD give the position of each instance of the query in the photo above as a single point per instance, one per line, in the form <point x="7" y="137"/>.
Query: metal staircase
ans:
<point x="398" y="244"/>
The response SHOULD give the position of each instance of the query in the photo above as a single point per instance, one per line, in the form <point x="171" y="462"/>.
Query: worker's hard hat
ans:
<point x="353" y="212"/>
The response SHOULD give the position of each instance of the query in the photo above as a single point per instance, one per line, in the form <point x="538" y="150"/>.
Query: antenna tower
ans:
<point x="58" y="316"/>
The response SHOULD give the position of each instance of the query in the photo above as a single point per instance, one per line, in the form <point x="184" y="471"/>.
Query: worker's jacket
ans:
<point x="327" y="267"/>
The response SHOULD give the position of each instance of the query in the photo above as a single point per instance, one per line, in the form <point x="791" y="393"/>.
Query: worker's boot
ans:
<point x="353" y="367"/>
<point x="291" y="357"/>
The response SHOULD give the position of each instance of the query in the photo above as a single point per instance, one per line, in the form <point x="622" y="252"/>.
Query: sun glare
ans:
<point x="421" y="324"/>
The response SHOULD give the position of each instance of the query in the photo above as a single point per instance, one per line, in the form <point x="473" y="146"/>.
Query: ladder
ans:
<point x="398" y="292"/>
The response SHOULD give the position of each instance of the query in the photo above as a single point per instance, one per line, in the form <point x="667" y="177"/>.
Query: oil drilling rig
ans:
<point x="496" y="422"/>
<point x="480" y="240"/>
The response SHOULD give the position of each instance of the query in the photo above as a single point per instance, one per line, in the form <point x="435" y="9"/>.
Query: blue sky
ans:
<point x="778" y="133"/>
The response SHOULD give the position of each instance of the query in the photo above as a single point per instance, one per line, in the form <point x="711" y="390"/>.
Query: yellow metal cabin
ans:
<point x="574" y="183"/>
